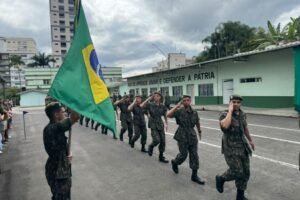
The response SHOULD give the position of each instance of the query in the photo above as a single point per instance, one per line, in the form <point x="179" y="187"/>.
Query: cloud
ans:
<point x="132" y="33"/>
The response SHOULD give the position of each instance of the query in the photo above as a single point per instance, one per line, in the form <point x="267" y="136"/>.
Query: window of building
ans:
<point x="250" y="80"/>
<point x="63" y="51"/>
<point x="54" y="14"/>
<point x="132" y="92"/>
<point x="46" y="81"/>
<point x="55" y="36"/>
<point x="164" y="90"/>
<point x="61" y="15"/>
<point x="53" y="6"/>
<point x="55" y="29"/>
<point x="61" y="22"/>
<point x="153" y="90"/>
<point x="61" y="1"/>
<point x="137" y="90"/>
<point x="177" y="91"/>
<point x="62" y="37"/>
<point x="144" y="91"/>
<point x="54" y="22"/>
<point x="71" y="9"/>
<point x="71" y="2"/>
<point x="62" y="30"/>
<point x="61" y="8"/>
<point x="56" y="43"/>
<point x="63" y="44"/>
<point x="206" y="90"/>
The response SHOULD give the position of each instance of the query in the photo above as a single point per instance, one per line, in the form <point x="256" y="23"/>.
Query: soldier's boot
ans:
<point x="121" y="136"/>
<point x="143" y="149"/>
<point x="162" y="158"/>
<point x="220" y="183"/>
<point x="132" y="143"/>
<point x="150" y="150"/>
<point x="240" y="195"/>
<point x="174" y="167"/>
<point x="195" y="178"/>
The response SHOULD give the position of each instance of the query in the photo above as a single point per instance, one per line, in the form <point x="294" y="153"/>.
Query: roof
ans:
<point x="28" y="91"/>
<point x="238" y="55"/>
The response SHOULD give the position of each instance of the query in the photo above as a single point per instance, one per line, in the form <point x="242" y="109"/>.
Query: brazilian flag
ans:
<point x="79" y="83"/>
<point x="297" y="78"/>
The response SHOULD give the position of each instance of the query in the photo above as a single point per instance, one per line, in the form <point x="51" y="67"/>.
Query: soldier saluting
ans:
<point x="138" y="123"/>
<point x="235" y="147"/>
<point x="156" y="110"/>
<point x="186" y="136"/>
<point x="125" y="117"/>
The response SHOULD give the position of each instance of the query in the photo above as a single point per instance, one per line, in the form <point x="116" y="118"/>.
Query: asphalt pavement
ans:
<point x="104" y="168"/>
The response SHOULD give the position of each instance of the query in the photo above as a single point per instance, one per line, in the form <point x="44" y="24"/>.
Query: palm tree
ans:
<point x="292" y="30"/>
<point x="15" y="60"/>
<point x="41" y="60"/>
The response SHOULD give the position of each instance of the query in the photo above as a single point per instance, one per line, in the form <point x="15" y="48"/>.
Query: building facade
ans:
<point x="17" y="77"/>
<point x="174" y="60"/>
<point x="23" y="47"/>
<point x="39" y="78"/>
<point x="4" y="69"/>
<point x="62" y="27"/>
<point x="264" y="78"/>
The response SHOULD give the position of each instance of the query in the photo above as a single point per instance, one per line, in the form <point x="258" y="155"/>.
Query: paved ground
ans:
<point x="107" y="169"/>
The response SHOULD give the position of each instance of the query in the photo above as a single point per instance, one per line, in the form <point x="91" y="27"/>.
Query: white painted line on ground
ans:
<point x="259" y="136"/>
<point x="254" y="155"/>
<point x="258" y="125"/>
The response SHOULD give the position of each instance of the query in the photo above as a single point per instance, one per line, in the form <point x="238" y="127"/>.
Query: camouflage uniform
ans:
<point x="126" y="120"/>
<point x="58" y="169"/>
<point x="186" y="137"/>
<point x="236" y="150"/>
<point x="156" y="125"/>
<point x="139" y="125"/>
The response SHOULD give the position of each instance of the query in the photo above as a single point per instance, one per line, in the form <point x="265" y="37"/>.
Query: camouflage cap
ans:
<point x="235" y="97"/>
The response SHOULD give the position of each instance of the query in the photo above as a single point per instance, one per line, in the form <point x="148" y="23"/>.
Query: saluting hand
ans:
<point x="230" y="107"/>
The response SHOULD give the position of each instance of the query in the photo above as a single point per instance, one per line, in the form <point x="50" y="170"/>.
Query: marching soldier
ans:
<point x="125" y="117"/>
<point x="235" y="147"/>
<point x="186" y="137"/>
<point x="138" y="123"/>
<point x="156" y="110"/>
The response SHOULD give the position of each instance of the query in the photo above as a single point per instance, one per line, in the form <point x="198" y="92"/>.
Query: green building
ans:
<point x="265" y="79"/>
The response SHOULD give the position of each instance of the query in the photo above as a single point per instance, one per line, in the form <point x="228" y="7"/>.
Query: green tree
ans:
<point x="229" y="38"/>
<point x="41" y="60"/>
<point x="15" y="60"/>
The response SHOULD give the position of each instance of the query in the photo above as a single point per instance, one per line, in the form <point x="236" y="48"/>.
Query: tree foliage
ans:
<point x="41" y="60"/>
<point x="230" y="38"/>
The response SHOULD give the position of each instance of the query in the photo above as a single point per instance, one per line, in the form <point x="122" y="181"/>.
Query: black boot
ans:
<point x="195" y="178"/>
<point x="220" y="183"/>
<point x="150" y="150"/>
<point x="174" y="167"/>
<point x="162" y="158"/>
<point x="240" y="195"/>
<point x="121" y="136"/>
<point x="132" y="144"/>
<point x="129" y="141"/>
<point x="143" y="149"/>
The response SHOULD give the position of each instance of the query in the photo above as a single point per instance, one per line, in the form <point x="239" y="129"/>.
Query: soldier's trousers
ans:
<point x="140" y="130"/>
<point x="87" y="120"/>
<point x="61" y="189"/>
<point x="239" y="170"/>
<point x="81" y="119"/>
<point x="158" y="138"/>
<point x="184" y="149"/>
<point x="126" y="125"/>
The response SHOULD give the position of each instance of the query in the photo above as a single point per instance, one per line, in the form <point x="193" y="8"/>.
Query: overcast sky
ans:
<point x="124" y="31"/>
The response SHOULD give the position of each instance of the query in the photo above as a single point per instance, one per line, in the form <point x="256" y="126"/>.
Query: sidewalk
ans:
<point x="282" y="112"/>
